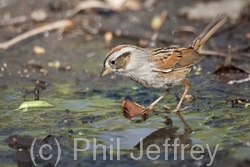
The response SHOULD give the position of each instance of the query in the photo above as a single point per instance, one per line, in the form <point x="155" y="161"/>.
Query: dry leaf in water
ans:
<point x="15" y="140"/>
<point x="189" y="98"/>
<point x="185" y="29"/>
<point x="119" y="5"/>
<point x="240" y="103"/>
<point x="38" y="50"/>
<point x="39" y="15"/>
<point x="248" y="35"/>
<point x="116" y="5"/>
<point x="55" y="64"/>
<point x="158" y="20"/>
<point x="132" y="5"/>
<point x="108" y="36"/>
<point x="132" y="109"/>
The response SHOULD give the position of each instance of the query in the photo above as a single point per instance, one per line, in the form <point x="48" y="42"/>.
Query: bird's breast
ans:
<point x="158" y="80"/>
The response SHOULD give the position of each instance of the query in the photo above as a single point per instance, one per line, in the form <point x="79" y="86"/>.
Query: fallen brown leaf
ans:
<point x="185" y="29"/>
<point x="132" y="109"/>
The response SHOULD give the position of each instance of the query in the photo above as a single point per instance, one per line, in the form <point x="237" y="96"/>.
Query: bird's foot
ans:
<point x="146" y="110"/>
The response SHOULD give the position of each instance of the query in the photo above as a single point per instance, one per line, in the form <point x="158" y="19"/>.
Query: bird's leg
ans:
<point x="188" y="130"/>
<point x="151" y="106"/>
<point x="187" y="85"/>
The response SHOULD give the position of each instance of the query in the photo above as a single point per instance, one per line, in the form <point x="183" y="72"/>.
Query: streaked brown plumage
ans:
<point x="160" y="68"/>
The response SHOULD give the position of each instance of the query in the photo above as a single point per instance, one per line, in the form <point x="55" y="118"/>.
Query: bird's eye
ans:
<point x="112" y="62"/>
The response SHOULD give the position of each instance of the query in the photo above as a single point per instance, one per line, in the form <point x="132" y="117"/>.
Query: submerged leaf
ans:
<point x="34" y="104"/>
<point x="247" y="104"/>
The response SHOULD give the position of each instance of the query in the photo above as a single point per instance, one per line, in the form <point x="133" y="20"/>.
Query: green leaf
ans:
<point x="247" y="104"/>
<point x="34" y="104"/>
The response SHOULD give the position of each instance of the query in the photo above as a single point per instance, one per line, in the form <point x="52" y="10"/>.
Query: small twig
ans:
<point x="184" y="108"/>
<point x="48" y="27"/>
<point x="237" y="24"/>
<point x="239" y="81"/>
<point x="219" y="54"/>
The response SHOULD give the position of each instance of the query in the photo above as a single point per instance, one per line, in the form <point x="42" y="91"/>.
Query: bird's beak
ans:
<point x="105" y="71"/>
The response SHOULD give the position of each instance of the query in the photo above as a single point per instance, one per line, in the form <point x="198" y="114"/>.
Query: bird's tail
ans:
<point x="211" y="28"/>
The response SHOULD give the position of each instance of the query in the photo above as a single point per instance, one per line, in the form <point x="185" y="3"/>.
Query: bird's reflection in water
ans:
<point x="164" y="139"/>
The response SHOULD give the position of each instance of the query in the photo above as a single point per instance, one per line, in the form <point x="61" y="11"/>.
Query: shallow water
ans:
<point x="91" y="108"/>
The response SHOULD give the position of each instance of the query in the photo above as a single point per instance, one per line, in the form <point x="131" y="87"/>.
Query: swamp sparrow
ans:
<point x="160" y="68"/>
